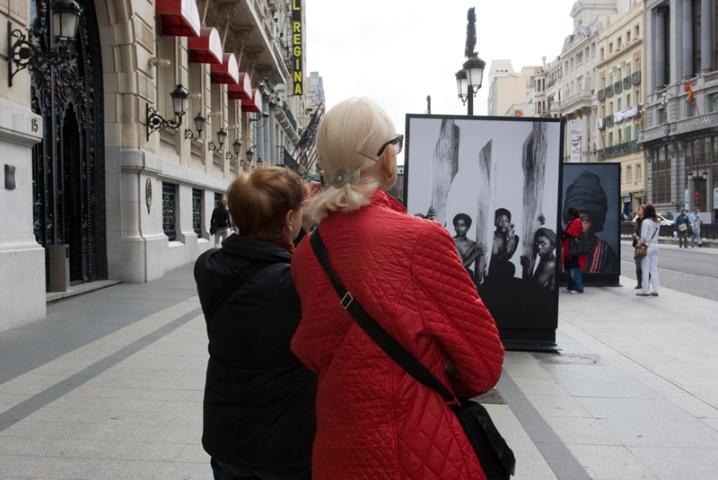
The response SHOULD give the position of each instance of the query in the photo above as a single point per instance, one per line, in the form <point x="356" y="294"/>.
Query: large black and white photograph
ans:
<point x="594" y="190"/>
<point x="494" y="184"/>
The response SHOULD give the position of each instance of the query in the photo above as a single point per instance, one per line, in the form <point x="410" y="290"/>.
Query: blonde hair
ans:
<point x="259" y="201"/>
<point x="348" y="139"/>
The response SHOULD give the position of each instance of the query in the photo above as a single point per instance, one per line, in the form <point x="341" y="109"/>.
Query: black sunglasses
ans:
<point x="398" y="141"/>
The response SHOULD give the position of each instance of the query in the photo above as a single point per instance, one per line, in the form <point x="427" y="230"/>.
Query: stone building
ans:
<point x="619" y="96"/>
<point x="680" y="133"/>
<point x="508" y="90"/>
<point x="102" y="178"/>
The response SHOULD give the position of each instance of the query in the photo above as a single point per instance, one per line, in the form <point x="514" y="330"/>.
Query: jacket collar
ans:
<point x="381" y="198"/>
<point x="255" y="250"/>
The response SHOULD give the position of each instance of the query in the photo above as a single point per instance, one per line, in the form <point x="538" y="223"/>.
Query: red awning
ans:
<point x="207" y="48"/>
<point x="253" y="104"/>
<point x="227" y="72"/>
<point x="178" y="17"/>
<point x="241" y="90"/>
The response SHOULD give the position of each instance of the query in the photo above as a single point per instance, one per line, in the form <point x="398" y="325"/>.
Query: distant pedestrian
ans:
<point x="219" y="224"/>
<point x="683" y="227"/>
<point x="638" y="219"/>
<point x="374" y="420"/>
<point x="573" y="264"/>
<point x="649" y="264"/>
<point x="259" y="417"/>
<point x="696" y="223"/>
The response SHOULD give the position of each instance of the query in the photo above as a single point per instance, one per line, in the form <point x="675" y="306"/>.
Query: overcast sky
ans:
<point x="397" y="52"/>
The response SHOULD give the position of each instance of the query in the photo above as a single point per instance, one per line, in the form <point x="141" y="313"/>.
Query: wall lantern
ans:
<point x="154" y="121"/>
<point x="236" y="148"/>
<point x="249" y="154"/>
<point x="26" y="50"/>
<point x="221" y="139"/>
<point x="199" y="122"/>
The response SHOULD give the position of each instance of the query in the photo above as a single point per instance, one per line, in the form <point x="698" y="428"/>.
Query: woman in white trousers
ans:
<point x="649" y="263"/>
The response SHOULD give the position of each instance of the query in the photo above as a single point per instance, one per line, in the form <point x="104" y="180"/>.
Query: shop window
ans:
<point x="197" y="211"/>
<point x="169" y="210"/>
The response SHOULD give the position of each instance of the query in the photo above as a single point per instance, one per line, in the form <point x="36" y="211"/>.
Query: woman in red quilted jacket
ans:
<point x="374" y="421"/>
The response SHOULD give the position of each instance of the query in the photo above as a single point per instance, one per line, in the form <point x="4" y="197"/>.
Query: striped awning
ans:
<point x="226" y="72"/>
<point x="254" y="104"/>
<point x="241" y="90"/>
<point x="207" y="48"/>
<point x="178" y="17"/>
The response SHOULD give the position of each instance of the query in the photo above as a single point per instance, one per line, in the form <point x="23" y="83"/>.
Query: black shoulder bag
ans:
<point x="496" y="458"/>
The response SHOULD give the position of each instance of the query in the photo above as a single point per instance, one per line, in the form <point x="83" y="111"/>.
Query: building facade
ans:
<point x="619" y="97"/>
<point x="680" y="133"/>
<point x="102" y="177"/>
<point x="509" y="90"/>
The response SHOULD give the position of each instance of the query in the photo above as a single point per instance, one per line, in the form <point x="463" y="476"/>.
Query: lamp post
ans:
<point x="24" y="49"/>
<point x="470" y="77"/>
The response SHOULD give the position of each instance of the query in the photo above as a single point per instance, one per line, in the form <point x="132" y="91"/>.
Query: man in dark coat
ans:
<point x="219" y="224"/>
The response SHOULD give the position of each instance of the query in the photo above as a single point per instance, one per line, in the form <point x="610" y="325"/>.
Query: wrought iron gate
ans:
<point x="69" y="164"/>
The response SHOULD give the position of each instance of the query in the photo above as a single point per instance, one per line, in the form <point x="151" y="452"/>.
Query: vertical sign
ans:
<point x="297" y="50"/>
<point x="576" y="137"/>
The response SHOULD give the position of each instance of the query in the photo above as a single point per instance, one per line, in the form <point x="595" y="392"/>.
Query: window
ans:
<point x="691" y="109"/>
<point x="602" y="54"/>
<point x="629" y="174"/>
<point x="661" y="175"/>
<point x="169" y="210"/>
<point x="637" y="29"/>
<point x="610" y="48"/>
<point x="628" y="100"/>
<point x="637" y="96"/>
<point x="636" y="131"/>
<point x="713" y="102"/>
<point x="197" y="211"/>
<point x="610" y="139"/>
<point x="619" y="43"/>
<point x="627" y="134"/>
<point x="638" y="174"/>
<point x="628" y="37"/>
<point x="618" y="105"/>
<point x="165" y="76"/>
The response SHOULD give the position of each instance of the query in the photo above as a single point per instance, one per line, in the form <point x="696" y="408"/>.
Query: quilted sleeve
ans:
<point x="453" y="312"/>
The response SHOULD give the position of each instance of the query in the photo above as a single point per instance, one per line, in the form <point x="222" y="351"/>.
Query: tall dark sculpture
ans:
<point x="470" y="50"/>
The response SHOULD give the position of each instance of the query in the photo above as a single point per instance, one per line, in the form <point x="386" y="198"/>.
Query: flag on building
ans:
<point x="690" y="96"/>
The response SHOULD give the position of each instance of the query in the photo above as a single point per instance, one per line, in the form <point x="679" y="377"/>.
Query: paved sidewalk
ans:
<point x="110" y="386"/>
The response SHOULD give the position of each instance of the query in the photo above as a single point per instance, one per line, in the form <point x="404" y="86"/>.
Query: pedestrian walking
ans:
<point x="683" y="227"/>
<point x="259" y="417"/>
<point x="638" y="219"/>
<point x="573" y="264"/>
<point x="649" y="264"/>
<point x="696" y="223"/>
<point x="219" y="223"/>
<point x="374" y="420"/>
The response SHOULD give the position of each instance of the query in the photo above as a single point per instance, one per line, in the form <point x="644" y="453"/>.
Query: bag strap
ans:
<point x="375" y="331"/>
<point x="232" y="286"/>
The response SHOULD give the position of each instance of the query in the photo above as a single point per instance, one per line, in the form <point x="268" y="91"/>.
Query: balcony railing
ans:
<point x="618" y="150"/>
<point x="609" y="91"/>
<point x="601" y="95"/>
<point x="636" y="78"/>
<point x="617" y="87"/>
<point x="627" y="83"/>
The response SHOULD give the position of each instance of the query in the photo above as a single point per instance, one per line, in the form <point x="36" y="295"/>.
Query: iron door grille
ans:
<point x="169" y="210"/>
<point x="197" y="211"/>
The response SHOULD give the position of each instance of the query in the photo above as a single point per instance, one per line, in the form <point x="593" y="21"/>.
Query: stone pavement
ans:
<point x="110" y="386"/>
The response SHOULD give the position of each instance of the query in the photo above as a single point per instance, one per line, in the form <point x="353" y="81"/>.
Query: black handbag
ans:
<point x="496" y="458"/>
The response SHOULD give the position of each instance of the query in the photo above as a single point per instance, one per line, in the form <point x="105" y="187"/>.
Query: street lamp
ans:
<point x="221" y="139"/>
<point x="470" y="77"/>
<point x="26" y="49"/>
<point x="154" y="121"/>
<point x="199" y="122"/>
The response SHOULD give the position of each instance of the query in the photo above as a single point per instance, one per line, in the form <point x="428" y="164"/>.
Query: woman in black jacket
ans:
<point x="259" y="399"/>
